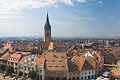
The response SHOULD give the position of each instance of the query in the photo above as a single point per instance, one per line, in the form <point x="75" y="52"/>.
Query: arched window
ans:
<point x="92" y="76"/>
<point x="85" y="77"/>
<point x="81" y="78"/>
<point x="88" y="77"/>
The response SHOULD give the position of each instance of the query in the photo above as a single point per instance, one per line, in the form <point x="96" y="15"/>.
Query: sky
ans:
<point x="68" y="18"/>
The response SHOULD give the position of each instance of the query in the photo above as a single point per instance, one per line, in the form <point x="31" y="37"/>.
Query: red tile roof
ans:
<point x="14" y="57"/>
<point x="24" y="53"/>
<point x="16" y="45"/>
<point x="56" y="61"/>
<point x="39" y="61"/>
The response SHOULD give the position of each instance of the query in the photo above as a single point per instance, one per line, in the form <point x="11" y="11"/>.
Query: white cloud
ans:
<point x="56" y="6"/>
<point x="100" y="2"/>
<point x="83" y="1"/>
<point x="11" y="6"/>
<point x="82" y="18"/>
<point x="9" y="17"/>
<point x="18" y="5"/>
<point x="63" y="23"/>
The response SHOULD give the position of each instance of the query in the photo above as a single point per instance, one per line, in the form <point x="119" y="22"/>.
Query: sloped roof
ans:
<point x="14" y="57"/>
<point x="47" y="23"/>
<point x="16" y="45"/>
<point x="56" y="61"/>
<point x="5" y="56"/>
<point x="85" y="63"/>
<point x="39" y="61"/>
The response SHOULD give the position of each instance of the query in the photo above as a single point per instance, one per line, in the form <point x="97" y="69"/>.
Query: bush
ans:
<point x="2" y="67"/>
<point x="32" y="74"/>
<point x="20" y="73"/>
<point x="10" y="69"/>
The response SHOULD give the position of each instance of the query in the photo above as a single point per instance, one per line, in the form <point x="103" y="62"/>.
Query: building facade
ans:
<point x="32" y="62"/>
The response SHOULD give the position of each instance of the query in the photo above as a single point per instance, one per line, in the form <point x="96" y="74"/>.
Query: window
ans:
<point x="85" y="77"/>
<point x="32" y="68"/>
<point x="92" y="76"/>
<point x="19" y="67"/>
<point x="40" y="71"/>
<point x="85" y="72"/>
<point x="11" y="63"/>
<point x="82" y="78"/>
<point x="28" y="68"/>
<point x="25" y="68"/>
<point x="60" y="73"/>
<point x="65" y="72"/>
<point x="92" y="71"/>
<point x="88" y="77"/>
<point x="78" y="73"/>
<point x="82" y="73"/>
<point x="15" y="64"/>
<point x="89" y="71"/>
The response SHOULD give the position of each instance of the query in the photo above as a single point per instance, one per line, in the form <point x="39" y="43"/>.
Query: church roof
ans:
<point x="47" y="24"/>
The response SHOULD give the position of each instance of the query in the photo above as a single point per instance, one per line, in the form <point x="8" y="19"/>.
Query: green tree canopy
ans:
<point x="20" y="73"/>
<point x="2" y="67"/>
<point x="10" y="69"/>
<point x="36" y="51"/>
<point x="48" y="77"/>
<point x="32" y="74"/>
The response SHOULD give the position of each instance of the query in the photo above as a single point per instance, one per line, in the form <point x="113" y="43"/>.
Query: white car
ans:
<point x="14" y="78"/>
<point x="19" y="79"/>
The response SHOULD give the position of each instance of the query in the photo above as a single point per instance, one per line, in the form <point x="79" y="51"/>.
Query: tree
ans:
<point x="36" y="51"/>
<point x="10" y="69"/>
<point x="2" y="67"/>
<point x="48" y="77"/>
<point x="20" y="73"/>
<point x="32" y="74"/>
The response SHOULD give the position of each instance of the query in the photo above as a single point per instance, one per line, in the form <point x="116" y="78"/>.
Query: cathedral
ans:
<point x="47" y="30"/>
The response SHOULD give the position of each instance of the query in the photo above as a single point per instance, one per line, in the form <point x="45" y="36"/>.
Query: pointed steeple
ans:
<point x="47" y="24"/>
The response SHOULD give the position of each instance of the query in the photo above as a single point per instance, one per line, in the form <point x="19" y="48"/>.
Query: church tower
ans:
<point x="47" y="30"/>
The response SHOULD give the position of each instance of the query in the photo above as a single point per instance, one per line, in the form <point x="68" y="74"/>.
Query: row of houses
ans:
<point x="54" y="64"/>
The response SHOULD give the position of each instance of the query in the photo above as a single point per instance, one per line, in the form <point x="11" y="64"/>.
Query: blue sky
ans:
<point x="68" y="18"/>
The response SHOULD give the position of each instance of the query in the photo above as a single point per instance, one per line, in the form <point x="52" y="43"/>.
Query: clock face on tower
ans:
<point x="47" y="33"/>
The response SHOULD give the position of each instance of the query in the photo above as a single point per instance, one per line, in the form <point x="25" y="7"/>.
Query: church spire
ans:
<point x="47" y="24"/>
<point x="47" y="30"/>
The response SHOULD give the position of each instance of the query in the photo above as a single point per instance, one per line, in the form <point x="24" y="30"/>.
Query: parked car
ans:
<point x="14" y="78"/>
<point x="19" y="79"/>
<point x="6" y="74"/>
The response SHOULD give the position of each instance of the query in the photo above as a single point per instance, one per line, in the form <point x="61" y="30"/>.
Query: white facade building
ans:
<point x="88" y="74"/>
<point x="29" y="63"/>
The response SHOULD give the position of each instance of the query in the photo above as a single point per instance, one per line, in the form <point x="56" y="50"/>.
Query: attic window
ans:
<point x="60" y="60"/>
<point x="53" y="61"/>
<point x="49" y="66"/>
<point x="55" y="56"/>
<point x="62" y="56"/>
<point x="56" y="66"/>
<point x="62" y="66"/>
